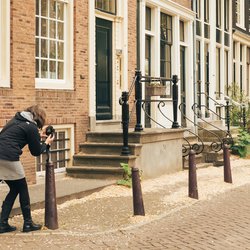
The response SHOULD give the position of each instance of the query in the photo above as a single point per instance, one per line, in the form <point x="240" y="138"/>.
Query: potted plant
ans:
<point x="155" y="89"/>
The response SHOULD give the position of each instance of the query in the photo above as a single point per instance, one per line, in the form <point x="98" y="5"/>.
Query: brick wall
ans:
<point x="185" y="3"/>
<point x="131" y="52"/>
<point x="62" y="107"/>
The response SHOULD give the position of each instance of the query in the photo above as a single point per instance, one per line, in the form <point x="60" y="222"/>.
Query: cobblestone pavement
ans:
<point x="218" y="220"/>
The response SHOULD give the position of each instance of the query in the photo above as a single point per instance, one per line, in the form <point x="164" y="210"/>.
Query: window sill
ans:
<point x="53" y="84"/>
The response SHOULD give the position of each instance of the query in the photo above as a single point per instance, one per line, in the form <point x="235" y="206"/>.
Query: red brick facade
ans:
<point x="185" y="3"/>
<point x="62" y="106"/>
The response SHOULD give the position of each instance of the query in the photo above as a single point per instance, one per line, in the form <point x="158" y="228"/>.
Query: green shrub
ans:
<point x="243" y="140"/>
<point x="127" y="176"/>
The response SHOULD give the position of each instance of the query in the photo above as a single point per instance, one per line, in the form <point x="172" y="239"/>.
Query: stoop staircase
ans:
<point x="100" y="156"/>
<point x="208" y="157"/>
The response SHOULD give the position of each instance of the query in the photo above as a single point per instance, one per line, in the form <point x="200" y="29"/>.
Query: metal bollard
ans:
<point x="137" y="193"/>
<point x="51" y="221"/>
<point x="192" y="178"/>
<point x="227" y="166"/>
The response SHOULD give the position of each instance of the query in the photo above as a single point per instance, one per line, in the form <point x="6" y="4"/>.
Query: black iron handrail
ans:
<point x="139" y="104"/>
<point x="225" y="140"/>
<point x="215" y="146"/>
<point x="185" y="150"/>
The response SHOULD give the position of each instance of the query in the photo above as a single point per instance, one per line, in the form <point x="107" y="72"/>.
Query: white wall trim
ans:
<point x="5" y="43"/>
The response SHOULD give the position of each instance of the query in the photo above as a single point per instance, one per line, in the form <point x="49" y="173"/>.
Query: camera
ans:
<point x="50" y="131"/>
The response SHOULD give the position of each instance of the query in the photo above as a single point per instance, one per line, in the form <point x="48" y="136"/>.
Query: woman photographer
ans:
<point x="21" y="130"/>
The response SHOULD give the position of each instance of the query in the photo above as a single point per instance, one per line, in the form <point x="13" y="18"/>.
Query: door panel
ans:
<point x="103" y="69"/>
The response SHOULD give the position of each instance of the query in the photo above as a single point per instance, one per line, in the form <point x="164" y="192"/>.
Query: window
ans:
<point x="207" y="83"/>
<point x="206" y="11"/>
<point x="106" y="5"/>
<point x="226" y="15"/>
<point x="148" y="18"/>
<point x="239" y="10"/>
<point x="241" y="67"/>
<point x="54" y="44"/>
<point x="182" y="31"/>
<point x="198" y="9"/>
<point x="218" y="13"/>
<point x="198" y="17"/>
<point x="234" y="62"/>
<point x="165" y="45"/>
<point x="218" y="86"/>
<point x="5" y="43"/>
<point x="198" y="71"/>
<point x="198" y="60"/>
<point x="248" y="71"/>
<point x="59" y="152"/>
<point x="148" y="55"/>
<point x="226" y="63"/>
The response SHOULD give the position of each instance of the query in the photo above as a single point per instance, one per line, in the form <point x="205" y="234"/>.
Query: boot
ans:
<point x="28" y="224"/>
<point x="4" y="225"/>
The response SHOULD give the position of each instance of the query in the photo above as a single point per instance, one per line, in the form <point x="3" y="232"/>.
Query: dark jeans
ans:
<point x="19" y="187"/>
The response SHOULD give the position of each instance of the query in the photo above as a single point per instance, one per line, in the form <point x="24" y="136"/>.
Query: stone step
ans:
<point x="108" y="148"/>
<point x="211" y="124"/>
<point x="199" y="165"/>
<point x="110" y="137"/>
<point x="95" y="172"/>
<point x="97" y="160"/>
<point x="198" y="160"/>
<point x="212" y="157"/>
<point x="212" y="135"/>
<point x="107" y="125"/>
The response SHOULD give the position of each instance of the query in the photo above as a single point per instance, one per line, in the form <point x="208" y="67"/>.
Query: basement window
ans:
<point x="60" y="152"/>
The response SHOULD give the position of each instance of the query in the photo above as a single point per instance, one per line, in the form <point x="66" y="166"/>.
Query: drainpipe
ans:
<point x="138" y="34"/>
<point x="194" y="62"/>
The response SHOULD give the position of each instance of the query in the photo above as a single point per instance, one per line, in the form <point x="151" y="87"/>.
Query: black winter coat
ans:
<point x="16" y="134"/>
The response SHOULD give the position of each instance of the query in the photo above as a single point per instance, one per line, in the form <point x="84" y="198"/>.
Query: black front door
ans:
<point x="103" y="69"/>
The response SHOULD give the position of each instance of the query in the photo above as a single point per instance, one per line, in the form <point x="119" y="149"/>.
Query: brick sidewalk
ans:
<point x="219" y="220"/>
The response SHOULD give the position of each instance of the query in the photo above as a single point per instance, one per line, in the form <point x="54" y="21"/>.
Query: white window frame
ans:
<point x="241" y="22"/>
<point x="67" y="82"/>
<point x="5" y="43"/>
<point x="69" y="132"/>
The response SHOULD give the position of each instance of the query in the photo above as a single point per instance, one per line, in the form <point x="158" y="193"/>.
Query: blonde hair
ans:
<point x="39" y="115"/>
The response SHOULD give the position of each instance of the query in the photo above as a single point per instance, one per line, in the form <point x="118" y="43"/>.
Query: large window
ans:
<point x="4" y="43"/>
<point x="165" y="45"/>
<point x="106" y="5"/>
<point x="53" y="44"/>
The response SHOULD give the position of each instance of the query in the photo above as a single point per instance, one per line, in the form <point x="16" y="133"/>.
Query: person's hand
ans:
<point x="50" y="139"/>
<point x="42" y="132"/>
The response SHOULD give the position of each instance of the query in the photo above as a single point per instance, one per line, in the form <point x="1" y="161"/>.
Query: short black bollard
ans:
<point x="137" y="193"/>
<point x="175" y="101"/>
<point x="227" y="166"/>
<point x="51" y="221"/>
<point x="125" y="122"/>
<point x="192" y="178"/>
